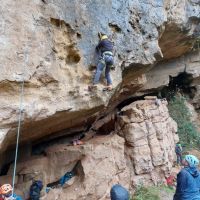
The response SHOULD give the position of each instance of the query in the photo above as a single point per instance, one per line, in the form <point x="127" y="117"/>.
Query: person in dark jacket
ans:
<point x="118" y="192"/>
<point x="105" y="51"/>
<point x="178" y="150"/>
<point x="188" y="180"/>
<point x="35" y="190"/>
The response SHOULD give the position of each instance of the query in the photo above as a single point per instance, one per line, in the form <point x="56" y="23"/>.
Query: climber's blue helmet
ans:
<point x="119" y="192"/>
<point x="178" y="144"/>
<point x="193" y="161"/>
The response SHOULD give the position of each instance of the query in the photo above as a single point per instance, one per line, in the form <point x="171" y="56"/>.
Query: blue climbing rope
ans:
<point x="19" y="123"/>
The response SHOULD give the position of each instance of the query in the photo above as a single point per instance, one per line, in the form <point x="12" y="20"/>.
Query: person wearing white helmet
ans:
<point x="6" y="192"/>
<point x="188" y="180"/>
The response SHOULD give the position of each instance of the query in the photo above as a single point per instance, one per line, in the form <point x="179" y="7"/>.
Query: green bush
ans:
<point x="143" y="193"/>
<point x="187" y="131"/>
<point x="151" y="193"/>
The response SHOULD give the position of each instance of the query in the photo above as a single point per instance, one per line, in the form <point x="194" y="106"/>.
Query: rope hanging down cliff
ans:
<point x="20" y="113"/>
<point x="19" y="120"/>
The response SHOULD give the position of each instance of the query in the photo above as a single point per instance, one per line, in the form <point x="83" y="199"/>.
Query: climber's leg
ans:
<point x="108" y="77"/>
<point x="97" y="76"/>
<point x="99" y="70"/>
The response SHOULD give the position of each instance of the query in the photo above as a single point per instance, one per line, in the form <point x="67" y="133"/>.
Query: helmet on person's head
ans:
<point x="6" y="188"/>
<point x="102" y="36"/>
<point x="192" y="160"/>
<point x="119" y="192"/>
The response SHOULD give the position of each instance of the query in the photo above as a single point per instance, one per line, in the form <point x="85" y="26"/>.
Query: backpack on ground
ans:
<point x="35" y="190"/>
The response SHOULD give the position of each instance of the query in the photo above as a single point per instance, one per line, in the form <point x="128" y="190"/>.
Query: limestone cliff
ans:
<point x="143" y="154"/>
<point x="50" y="45"/>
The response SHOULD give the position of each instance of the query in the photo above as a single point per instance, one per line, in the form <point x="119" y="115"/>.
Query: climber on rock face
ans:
<point x="188" y="180"/>
<point x="105" y="51"/>
<point x="35" y="190"/>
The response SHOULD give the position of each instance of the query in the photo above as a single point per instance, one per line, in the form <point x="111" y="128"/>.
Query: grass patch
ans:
<point x="187" y="131"/>
<point x="167" y="189"/>
<point x="144" y="193"/>
<point x="150" y="193"/>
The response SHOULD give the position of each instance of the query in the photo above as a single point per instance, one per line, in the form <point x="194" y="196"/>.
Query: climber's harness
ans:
<point x="107" y="58"/>
<point x="108" y="53"/>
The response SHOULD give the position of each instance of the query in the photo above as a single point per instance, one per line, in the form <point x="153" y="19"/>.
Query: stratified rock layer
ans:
<point x="143" y="154"/>
<point x="150" y="135"/>
<point x="51" y="45"/>
<point x="160" y="75"/>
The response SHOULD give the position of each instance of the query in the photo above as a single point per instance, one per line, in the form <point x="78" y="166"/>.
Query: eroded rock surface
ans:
<point x="101" y="163"/>
<point x="150" y="135"/>
<point x="181" y="28"/>
<point x="160" y="75"/>
<point x="142" y="154"/>
<point x="51" y="45"/>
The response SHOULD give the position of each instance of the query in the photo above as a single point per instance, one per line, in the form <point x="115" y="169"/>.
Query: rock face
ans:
<point x="144" y="152"/>
<point x="54" y="49"/>
<point x="51" y="45"/>
<point x="150" y="137"/>
<point x="100" y="163"/>
<point x="179" y="33"/>
<point x="160" y="75"/>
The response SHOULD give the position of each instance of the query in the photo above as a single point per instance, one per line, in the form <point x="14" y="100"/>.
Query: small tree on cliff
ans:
<point x="187" y="131"/>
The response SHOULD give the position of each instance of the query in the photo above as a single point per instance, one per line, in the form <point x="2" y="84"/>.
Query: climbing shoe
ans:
<point x="108" y="88"/>
<point x="92" y="88"/>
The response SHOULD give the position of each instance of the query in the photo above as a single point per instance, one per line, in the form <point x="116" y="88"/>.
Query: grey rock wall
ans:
<point x="51" y="45"/>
